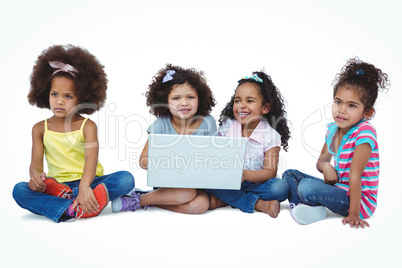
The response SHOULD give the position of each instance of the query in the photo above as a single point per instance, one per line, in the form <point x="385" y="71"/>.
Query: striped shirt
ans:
<point x="362" y="132"/>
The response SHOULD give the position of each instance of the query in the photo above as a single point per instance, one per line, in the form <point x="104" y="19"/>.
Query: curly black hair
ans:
<point x="366" y="79"/>
<point x="157" y="94"/>
<point x="276" y="117"/>
<point x="90" y="81"/>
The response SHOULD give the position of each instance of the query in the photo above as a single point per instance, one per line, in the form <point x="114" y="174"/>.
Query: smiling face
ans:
<point x="248" y="107"/>
<point x="183" y="101"/>
<point x="347" y="108"/>
<point x="62" y="96"/>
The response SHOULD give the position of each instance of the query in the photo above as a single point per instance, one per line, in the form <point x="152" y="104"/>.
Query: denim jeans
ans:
<point x="53" y="207"/>
<point x="313" y="191"/>
<point x="245" y="198"/>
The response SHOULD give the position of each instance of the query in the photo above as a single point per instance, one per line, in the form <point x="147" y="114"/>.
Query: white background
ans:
<point x="301" y="45"/>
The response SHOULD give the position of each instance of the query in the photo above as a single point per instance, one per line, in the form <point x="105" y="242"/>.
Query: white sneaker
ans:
<point x="305" y="214"/>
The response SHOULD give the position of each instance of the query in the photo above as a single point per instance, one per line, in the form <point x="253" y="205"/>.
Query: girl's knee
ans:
<point x="282" y="185"/>
<point x="281" y="189"/>
<point x="289" y="171"/>
<point x="199" y="205"/>
<point x="307" y="188"/>
<point x="186" y="195"/>
<point x="19" y="189"/>
<point x="126" y="179"/>
<point x="289" y="175"/>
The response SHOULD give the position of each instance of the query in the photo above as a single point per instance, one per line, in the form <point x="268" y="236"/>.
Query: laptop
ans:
<point x="192" y="161"/>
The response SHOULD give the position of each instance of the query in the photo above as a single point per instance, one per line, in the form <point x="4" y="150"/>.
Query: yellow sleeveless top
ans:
<point x="65" y="154"/>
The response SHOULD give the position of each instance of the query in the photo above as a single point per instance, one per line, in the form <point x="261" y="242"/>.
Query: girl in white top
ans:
<point x="256" y="111"/>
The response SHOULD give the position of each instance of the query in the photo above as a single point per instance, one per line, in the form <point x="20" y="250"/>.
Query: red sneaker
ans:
<point x="102" y="196"/>
<point x="54" y="188"/>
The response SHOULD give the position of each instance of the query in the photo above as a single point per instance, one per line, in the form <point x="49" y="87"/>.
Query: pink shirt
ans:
<point x="263" y="138"/>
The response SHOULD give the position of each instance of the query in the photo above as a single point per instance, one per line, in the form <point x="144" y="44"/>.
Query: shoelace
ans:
<point x="79" y="212"/>
<point x="64" y="193"/>
<point x="132" y="202"/>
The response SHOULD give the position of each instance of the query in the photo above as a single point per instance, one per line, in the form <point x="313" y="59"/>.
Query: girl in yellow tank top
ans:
<point x="75" y="185"/>
<point x="65" y="154"/>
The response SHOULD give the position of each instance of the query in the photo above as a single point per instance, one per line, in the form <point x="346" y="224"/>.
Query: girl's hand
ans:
<point x="245" y="174"/>
<point x="270" y="169"/>
<point x="36" y="183"/>
<point x="330" y="174"/>
<point x="86" y="199"/>
<point x="355" y="221"/>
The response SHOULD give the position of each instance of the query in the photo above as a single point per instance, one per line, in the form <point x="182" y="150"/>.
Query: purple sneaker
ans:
<point x="126" y="203"/>
<point x="137" y="191"/>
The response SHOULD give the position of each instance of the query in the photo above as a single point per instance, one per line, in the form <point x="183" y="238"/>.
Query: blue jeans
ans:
<point x="313" y="191"/>
<point x="53" y="207"/>
<point x="245" y="198"/>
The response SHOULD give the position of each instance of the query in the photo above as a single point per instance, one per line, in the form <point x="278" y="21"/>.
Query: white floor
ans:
<point x="220" y="238"/>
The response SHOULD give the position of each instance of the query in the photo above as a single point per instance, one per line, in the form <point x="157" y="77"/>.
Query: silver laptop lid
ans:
<point x="192" y="161"/>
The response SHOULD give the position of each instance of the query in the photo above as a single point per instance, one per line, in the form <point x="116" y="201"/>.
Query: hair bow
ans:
<point x="62" y="67"/>
<point x="359" y="72"/>
<point x="253" y="77"/>
<point x="168" y="76"/>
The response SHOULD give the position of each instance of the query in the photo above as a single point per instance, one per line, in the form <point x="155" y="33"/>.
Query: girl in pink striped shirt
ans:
<point x="350" y="186"/>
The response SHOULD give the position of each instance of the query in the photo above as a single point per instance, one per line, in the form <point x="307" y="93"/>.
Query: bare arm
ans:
<point x="86" y="198"/>
<point x="37" y="176"/>
<point x="324" y="166"/>
<point x="360" y="159"/>
<point x="271" y="159"/>
<point x="144" y="157"/>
